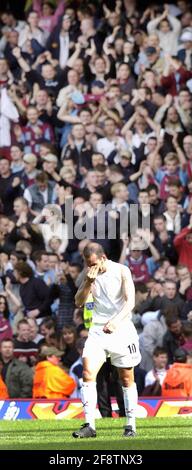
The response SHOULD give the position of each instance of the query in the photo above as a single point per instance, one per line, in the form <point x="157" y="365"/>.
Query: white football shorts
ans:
<point x="122" y="346"/>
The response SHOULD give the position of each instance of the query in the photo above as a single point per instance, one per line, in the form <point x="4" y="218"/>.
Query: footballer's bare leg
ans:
<point x="130" y="400"/>
<point x="89" y="397"/>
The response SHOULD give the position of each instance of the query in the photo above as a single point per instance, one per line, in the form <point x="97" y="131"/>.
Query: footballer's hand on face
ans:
<point x="109" y="327"/>
<point x="102" y="266"/>
<point x="92" y="273"/>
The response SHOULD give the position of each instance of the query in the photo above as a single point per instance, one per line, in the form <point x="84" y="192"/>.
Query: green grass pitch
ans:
<point x="152" y="433"/>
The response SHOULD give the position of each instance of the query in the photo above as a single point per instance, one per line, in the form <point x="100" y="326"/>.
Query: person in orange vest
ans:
<point x="3" y="390"/>
<point x="178" y="380"/>
<point x="50" y="380"/>
<point x="3" y="387"/>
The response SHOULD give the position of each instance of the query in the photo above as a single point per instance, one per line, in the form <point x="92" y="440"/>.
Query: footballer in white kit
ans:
<point x="112" y="334"/>
<point x="123" y="344"/>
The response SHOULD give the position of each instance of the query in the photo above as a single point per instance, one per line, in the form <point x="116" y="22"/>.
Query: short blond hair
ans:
<point x="116" y="187"/>
<point x="67" y="171"/>
<point x="171" y="157"/>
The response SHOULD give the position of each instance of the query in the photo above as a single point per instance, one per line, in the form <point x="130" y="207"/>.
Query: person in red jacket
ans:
<point x="175" y="75"/>
<point x="183" y="245"/>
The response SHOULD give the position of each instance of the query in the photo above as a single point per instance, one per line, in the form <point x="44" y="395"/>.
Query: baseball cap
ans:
<point x="150" y="50"/>
<point x="52" y="351"/>
<point x="50" y="158"/>
<point x="30" y="158"/>
<point x="77" y="97"/>
<point x="186" y="36"/>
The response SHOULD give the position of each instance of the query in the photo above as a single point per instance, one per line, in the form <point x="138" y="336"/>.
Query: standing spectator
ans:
<point x="76" y="370"/>
<point x="111" y="141"/>
<point x="185" y="53"/>
<point x="5" y="327"/>
<point x="10" y="23"/>
<point x="68" y="344"/>
<point x="40" y="193"/>
<point x="60" y="42"/>
<point x="34" y="131"/>
<point x="140" y="265"/>
<point x="16" y="153"/>
<point x="48" y="18"/>
<point x="24" y="349"/>
<point x="65" y="290"/>
<point x="183" y="245"/>
<point x="173" y="338"/>
<point x="163" y="239"/>
<point x="109" y="384"/>
<point x="33" y="33"/>
<point x="16" y="375"/>
<point x="9" y="187"/>
<point x="175" y="75"/>
<point x="35" y="294"/>
<point x="78" y="151"/>
<point x="167" y="28"/>
<point x="51" y="215"/>
<point x="9" y="113"/>
<point x="172" y="215"/>
<point x="29" y="173"/>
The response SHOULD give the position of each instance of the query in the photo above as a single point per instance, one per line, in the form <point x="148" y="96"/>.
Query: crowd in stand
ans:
<point x="95" y="111"/>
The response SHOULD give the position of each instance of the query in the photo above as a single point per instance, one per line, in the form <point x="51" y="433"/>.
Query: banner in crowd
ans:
<point x="12" y="410"/>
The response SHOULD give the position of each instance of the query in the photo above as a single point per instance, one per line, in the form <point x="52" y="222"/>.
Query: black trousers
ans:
<point x="108" y="384"/>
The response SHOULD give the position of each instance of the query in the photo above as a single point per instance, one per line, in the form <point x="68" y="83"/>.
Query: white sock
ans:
<point x="89" y="401"/>
<point x="130" y="396"/>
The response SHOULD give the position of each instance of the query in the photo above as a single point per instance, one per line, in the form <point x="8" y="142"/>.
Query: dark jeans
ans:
<point x="108" y="384"/>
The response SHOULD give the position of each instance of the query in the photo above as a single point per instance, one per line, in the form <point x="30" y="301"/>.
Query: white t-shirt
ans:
<point x="107" y="146"/>
<point x="108" y="294"/>
<point x="150" y="377"/>
<point x="60" y="232"/>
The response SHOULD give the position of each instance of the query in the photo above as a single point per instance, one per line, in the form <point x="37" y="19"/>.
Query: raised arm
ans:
<point x="146" y="236"/>
<point x="21" y="61"/>
<point x="37" y="7"/>
<point x="64" y="116"/>
<point x="11" y="297"/>
<point x="153" y="24"/>
<point x="175" y="24"/>
<point x="85" y="287"/>
<point x="178" y="240"/>
<point x="58" y="12"/>
<point x="71" y="61"/>
<point x="179" y="152"/>
<point x="123" y="254"/>
<point x="128" y="124"/>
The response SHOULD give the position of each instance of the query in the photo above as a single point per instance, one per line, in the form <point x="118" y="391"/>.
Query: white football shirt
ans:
<point x="108" y="293"/>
